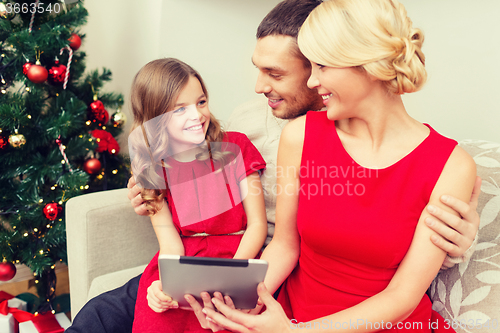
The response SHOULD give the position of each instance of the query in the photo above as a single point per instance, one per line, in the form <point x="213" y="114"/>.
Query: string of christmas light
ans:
<point x="32" y="207"/>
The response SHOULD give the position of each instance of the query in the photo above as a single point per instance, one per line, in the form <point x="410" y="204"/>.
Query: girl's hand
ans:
<point x="272" y="320"/>
<point x="157" y="300"/>
<point x="134" y="195"/>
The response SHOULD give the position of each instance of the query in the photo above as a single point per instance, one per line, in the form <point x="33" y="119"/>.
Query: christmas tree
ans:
<point x="57" y="140"/>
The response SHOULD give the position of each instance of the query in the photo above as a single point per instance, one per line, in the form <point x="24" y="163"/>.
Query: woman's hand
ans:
<point x="157" y="300"/>
<point x="273" y="319"/>
<point x="207" y="302"/>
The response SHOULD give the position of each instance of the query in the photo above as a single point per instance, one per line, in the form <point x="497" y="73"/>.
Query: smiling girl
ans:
<point x="201" y="184"/>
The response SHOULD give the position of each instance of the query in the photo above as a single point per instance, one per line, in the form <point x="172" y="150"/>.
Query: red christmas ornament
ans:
<point x="57" y="73"/>
<point x="26" y="67"/>
<point x="7" y="271"/>
<point x="51" y="210"/>
<point x="98" y="112"/>
<point x="92" y="166"/>
<point x="75" y="42"/>
<point x="102" y="116"/>
<point x="37" y="73"/>
<point x="3" y="141"/>
<point x="114" y="147"/>
<point x="96" y="105"/>
<point x="105" y="142"/>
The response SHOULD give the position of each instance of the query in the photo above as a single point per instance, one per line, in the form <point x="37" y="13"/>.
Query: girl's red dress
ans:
<point x="218" y="244"/>
<point x="356" y="225"/>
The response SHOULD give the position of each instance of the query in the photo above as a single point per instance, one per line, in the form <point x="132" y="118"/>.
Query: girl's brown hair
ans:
<point x="154" y="92"/>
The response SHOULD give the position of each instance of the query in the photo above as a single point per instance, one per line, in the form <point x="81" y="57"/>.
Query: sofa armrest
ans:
<point x="104" y="235"/>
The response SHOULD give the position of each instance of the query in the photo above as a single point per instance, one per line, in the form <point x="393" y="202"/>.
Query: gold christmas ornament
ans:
<point x="17" y="140"/>
<point x="118" y="119"/>
<point x="7" y="10"/>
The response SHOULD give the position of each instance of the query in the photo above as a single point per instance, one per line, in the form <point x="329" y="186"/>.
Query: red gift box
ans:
<point x="25" y="322"/>
<point x="45" y="323"/>
<point x="11" y="311"/>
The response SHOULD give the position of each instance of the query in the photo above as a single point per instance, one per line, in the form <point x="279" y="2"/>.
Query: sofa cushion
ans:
<point x="469" y="293"/>
<point x="110" y="281"/>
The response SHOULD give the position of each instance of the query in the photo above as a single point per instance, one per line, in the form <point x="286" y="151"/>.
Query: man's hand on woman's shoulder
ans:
<point x="456" y="234"/>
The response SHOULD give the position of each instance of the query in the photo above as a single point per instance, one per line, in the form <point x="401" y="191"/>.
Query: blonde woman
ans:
<point x="351" y="242"/>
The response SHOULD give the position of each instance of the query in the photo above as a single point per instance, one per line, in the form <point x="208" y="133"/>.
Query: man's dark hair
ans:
<point x="286" y="18"/>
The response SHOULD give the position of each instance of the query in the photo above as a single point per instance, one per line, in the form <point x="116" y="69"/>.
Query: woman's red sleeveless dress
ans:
<point x="217" y="245"/>
<point x="356" y="224"/>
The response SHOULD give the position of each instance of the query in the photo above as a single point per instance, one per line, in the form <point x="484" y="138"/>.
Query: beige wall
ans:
<point x="217" y="38"/>
<point x="123" y="36"/>
<point x="462" y="46"/>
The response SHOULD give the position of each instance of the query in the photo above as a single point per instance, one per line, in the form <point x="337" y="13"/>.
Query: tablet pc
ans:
<point x="237" y="278"/>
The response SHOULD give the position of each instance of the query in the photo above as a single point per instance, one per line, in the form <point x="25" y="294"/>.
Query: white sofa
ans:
<point x="108" y="244"/>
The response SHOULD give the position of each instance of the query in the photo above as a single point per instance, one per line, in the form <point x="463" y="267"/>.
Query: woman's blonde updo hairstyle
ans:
<point x="154" y="92"/>
<point x="376" y="35"/>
